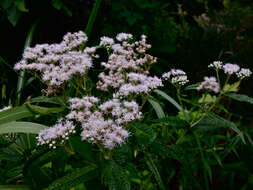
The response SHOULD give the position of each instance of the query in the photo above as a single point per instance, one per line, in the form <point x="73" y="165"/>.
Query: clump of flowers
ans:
<point x="176" y="76"/>
<point x="209" y="84"/>
<point x="57" y="63"/>
<point x="126" y="74"/>
<point x="56" y="134"/>
<point x="230" y="68"/>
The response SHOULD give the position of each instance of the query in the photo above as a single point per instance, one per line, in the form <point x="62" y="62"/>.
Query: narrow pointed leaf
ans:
<point x="158" y="109"/>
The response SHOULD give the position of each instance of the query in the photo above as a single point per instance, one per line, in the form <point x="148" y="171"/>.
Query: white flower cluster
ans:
<point x="81" y="107"/>
<point x="105" y="132"/>
<point x="5" y="108"/>
<point x="122" y="112"/>
<point x="176" y="77"/>
<point x="106" y="41"/>
<point x="230" y="69"/>
<point x="216" y="65"/>
<point x="126" y="60"/>
<point x="58" y="62"/>
<point x="243" y="73"/>
<point x="56" y="134"/>
<point x="210" y="84"/>
<point x="103" y="123"/>
<point x="138" y="83"/>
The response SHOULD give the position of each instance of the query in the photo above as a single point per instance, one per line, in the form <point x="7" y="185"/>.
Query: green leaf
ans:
<point x="15" y="114"/>
<point x="167" y="97"/>
<point x="21" y="127"/>
<point x="13" y="15"/>
<point x="115" y="176"/>
<point x="58" y="4"/>
<point x="154" y="171"/>
<point x="231" y="87"/>
<point x="144" y="133"/>
<point x="74" y="178"/>
<point x="207" y="98"/>
<point x="20" y="4"/>
<point x="219" y="121"/>
<point x="192" y="86"/>
<point x="14" y="187"/>
<point x="173" y="121"/>
<point x="240" y="97"/>
<point x="44" y="110"/>
<point x="44" y="99"/>
<point x="158" y="109"/>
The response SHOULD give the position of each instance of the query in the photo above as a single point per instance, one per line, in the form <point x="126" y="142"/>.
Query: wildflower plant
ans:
<point x="101" y="116"/>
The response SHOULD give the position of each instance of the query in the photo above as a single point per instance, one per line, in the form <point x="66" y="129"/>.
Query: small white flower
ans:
<point x="123" y="37"/>
<point x="5" y="108"/>
<point x="106" y="41"/>
<point x="244" y="73"/>
<point x="231" y="68"/>
<point x="176" y="77"/>
<point x="209" y="83"/>
<point x="216" y="65"/>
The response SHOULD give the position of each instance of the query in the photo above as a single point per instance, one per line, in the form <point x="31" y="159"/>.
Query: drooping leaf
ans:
<point x="44" y="99"/>
<point x="15" y="114"/>
<point x="158" y="109"/>
<point x="217" y="121"/>
<point x="21" y="127"/>
<point x="74" y="178"/>
<point x="167" y="97"/>
<point x="44" y="110"/>
<point x="240" y="97"/>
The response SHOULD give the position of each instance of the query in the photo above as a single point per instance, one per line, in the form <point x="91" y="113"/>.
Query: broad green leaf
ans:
<point x="21" y="127"/>
<point x="154" y="170"/>
<point x="115" y="176"/>
<point x="13" y="15"/>
<point x="14" y="187"/>
<point x="167" y="97"/>
<point x="240" y="97"/>
<point x="158" y="109"/>
<point x="74" y="178"/>
<point x="15" y="114"/>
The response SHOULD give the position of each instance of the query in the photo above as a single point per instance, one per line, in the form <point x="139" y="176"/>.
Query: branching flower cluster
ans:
<point x="177" y="77"/>
<point x="126" y="73"/>
<point x="57" y="63"/>
<point x="209" y="84"/>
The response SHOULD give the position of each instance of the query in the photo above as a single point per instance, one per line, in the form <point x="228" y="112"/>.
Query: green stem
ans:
<point x="181" y="103"/>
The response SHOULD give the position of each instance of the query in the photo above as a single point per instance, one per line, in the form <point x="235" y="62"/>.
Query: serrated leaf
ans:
<point x="15" y="114"/>
<point x="240" y="97"/>
<point x="170" y="99"/>
<point x="74" y="178"/>
<point x="115" y="176"/>
<point x="158" y="109"/>
<point x="21" y="127"/>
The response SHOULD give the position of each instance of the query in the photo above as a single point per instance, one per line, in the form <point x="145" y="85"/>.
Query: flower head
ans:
<point x="176" y="77"/>
<point x="210" y="84"/>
